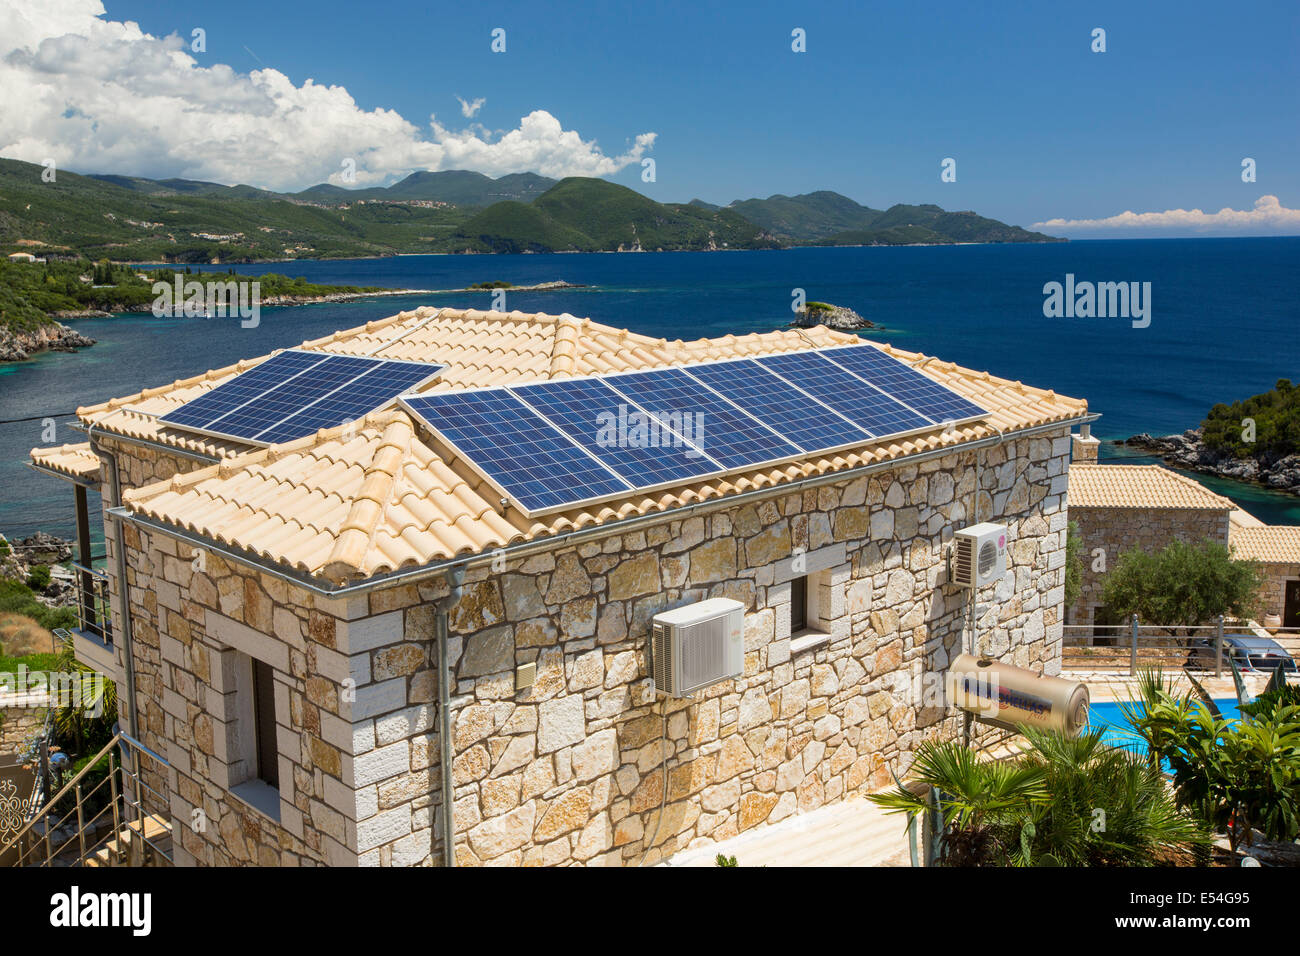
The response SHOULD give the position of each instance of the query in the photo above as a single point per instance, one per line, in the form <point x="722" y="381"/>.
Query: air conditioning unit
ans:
<point x="979" y="555"/>
<point x="697" y="645"/>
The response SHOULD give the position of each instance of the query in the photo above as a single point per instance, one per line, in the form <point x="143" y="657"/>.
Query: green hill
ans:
<point x="1276" y="415"/>
<point x="127" y="218"/>
<point x="517" y="227"/>
<point x="956" y="226"/>
<point x="810" y="216"/>
<point x="614" y="216"/>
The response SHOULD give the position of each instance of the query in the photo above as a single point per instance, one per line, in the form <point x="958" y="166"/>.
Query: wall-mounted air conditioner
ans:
<point x="697" y="645"/>
<point x="979" y="555"/>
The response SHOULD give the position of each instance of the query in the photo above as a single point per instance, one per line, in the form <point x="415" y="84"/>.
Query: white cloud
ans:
<point x="469" y="108"/>
<point x="1268" y="216"/>
<point x="98" y="95"/>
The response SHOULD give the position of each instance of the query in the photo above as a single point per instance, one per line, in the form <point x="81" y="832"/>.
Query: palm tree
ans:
<point x="1061" y="802"/>
<point x="978" y="801"/>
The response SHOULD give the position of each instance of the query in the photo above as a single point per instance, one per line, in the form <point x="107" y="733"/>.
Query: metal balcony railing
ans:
<point x="118" y="819"/>
<point x="94" y="605"/>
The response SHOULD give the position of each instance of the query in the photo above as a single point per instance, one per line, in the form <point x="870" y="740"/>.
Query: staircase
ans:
<point x="117" y="820"/>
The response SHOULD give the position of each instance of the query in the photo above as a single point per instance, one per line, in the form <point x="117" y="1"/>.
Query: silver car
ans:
<point x="1251" y="654"/>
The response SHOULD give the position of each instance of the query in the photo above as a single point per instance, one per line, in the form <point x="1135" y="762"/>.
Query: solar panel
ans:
<point x="516" y="449"/>
<point x="561" y="443"/>
<point x="230" y="395"/>
<point x="729" y="436"/>
<point x="601" y="421"/>
<point x="356" y="398"/>
<point x="920" y="392"/>
<point x="867" y="407"/>
<point x="295" y="393"/>
<point x="778" y="404"/>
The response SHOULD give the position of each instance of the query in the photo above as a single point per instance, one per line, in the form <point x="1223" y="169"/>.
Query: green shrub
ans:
<point x="38" y="578"/>
<point x="1063" y="802"/>
<point x="1236" y="776"/>
<point x="1183" y="585"/>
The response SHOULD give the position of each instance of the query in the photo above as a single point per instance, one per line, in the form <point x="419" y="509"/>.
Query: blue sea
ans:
<point x="1224" y="320"/>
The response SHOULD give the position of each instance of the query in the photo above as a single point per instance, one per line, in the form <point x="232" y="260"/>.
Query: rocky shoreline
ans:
<point x="831" y="316"/>
<point x="1188" y="451"/>
<point x="17" y="346"/>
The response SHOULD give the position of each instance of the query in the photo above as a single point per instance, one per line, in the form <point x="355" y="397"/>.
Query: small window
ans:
<point x="798" y="605"/>
<point x="268" y="763"/>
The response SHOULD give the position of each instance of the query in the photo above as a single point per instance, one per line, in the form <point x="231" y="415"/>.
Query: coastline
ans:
<point x="1189" y="452"/>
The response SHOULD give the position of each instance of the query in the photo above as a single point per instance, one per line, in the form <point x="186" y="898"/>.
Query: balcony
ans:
<point x="92" y="638"/>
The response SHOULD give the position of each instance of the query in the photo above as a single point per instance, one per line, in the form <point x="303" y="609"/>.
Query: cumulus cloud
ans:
<point x="98" y="95"/>
<point x="1268" y="216"/>
<point x="470" y="108"/>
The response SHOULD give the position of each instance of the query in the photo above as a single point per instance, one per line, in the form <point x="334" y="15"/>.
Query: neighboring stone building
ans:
<point x="1276" y="548"/>
<point x="1120" y="507"/>
<point x="285" y="607"/>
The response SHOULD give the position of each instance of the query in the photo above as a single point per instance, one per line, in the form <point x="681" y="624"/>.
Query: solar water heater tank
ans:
<point x="1013" y="697"/>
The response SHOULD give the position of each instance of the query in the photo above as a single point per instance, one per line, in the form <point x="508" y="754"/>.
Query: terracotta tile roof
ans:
<point x="1139" y="486"/>
<point x="75" y="461"/>
<point x="356" y="501"/>
<point x="1271" y="544"/>
<point x="478" y="348"/>
<point x="1243" y="519"/>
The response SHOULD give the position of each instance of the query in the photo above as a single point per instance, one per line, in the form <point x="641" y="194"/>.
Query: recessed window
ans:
<point x="268" y="761"/>
<point x="798" y="605"/>
<point x="255" y="760"/>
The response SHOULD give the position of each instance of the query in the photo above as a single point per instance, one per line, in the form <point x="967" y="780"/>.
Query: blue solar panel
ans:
<point x="778" y="404"/>
<point x="729" y="436"/>
<point x="516" y="449"/>
<point x="295" y="393"/>
<point x="867" y="407"/>
<point x="357" y="398"/>
<point x="600" y="420"/>
<point x="905" y="383"/>
<point x="228" y="396"/>
<point x="277" y="404"/>
<point x="557" y="444"/>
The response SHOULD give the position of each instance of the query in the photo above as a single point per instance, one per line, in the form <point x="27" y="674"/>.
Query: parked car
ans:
<point x="1253" y="655"/>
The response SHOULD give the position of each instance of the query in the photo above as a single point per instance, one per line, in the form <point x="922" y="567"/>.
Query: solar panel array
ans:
<point x="296" y="393"/>
<point x="567" y="442"/>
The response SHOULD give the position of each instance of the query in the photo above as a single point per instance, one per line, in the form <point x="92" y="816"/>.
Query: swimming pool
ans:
<point x="1117" y="732"/>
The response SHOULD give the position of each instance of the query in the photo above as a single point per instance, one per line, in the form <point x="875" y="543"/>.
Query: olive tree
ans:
<point x="1183" y="585"/>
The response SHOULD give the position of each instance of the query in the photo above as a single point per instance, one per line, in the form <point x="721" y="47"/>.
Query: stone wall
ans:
<point x="18" y="724"/>
<point x="1272" y="592"/>
<point x="588" y="765"/>
<point x="574" y="768"/>
<point x="1106" y="533"/>
<point x="192" y="618"/>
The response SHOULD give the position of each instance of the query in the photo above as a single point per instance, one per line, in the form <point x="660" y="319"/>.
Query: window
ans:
<point x="268" y="761"/>
<point x="798" y="605"/>
<point x="254" y="771"/>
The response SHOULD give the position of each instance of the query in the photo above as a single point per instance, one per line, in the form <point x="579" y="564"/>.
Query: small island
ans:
<point x="552" y="286"/>
<point x="1256" y="440"/>
<point x="831" y="316"/>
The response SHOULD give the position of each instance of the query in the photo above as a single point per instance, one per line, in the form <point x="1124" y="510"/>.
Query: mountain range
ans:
<point x="182" y="220"/>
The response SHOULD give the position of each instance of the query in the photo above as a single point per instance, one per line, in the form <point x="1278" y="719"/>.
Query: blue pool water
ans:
<point x="1117" y="732"/>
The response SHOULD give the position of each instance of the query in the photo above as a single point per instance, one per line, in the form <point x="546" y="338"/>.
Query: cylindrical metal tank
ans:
<point x="1011" y="696"/>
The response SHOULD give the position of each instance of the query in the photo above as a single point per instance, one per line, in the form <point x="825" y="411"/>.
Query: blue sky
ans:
<point x="1041" y="127"/>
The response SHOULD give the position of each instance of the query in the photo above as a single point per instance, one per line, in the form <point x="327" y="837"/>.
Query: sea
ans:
<point x="1223" y="324"/>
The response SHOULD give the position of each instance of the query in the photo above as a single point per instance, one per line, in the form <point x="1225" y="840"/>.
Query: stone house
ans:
<point x="336" y="641"/>
<point x="1276" y="549"/>
<point x="1120" y="507"/>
